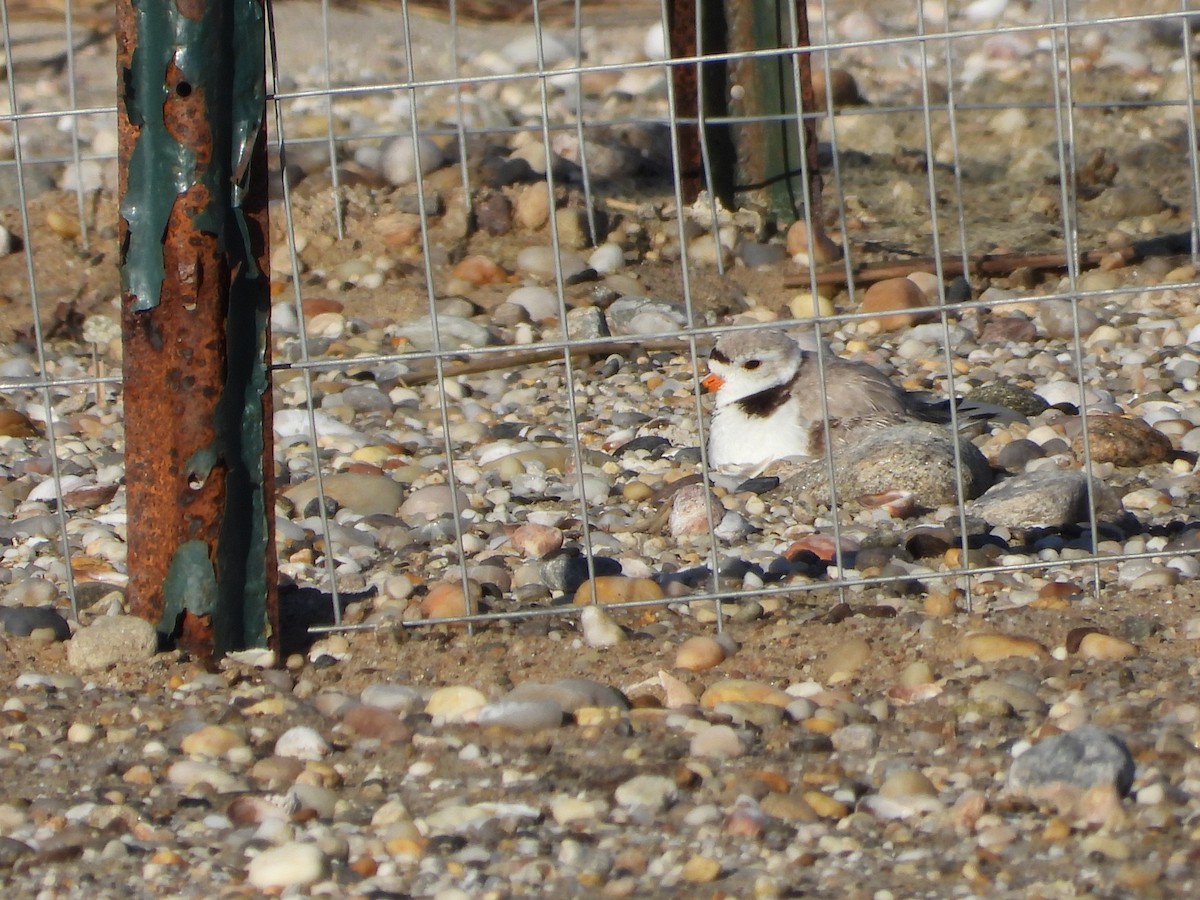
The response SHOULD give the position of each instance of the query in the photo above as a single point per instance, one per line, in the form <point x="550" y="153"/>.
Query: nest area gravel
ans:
<point x="854" y="741"/>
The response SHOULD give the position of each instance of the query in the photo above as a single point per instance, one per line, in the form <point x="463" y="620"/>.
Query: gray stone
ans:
<point x="400" y="698"/>
<point x="111" y="640"/>
<point x="635" y="314"/>
<point x="569" y="693"/>
<point x="652" y="793"/>
<point x="21" y="621"/>
<point x="913" y="457"/>
<point x="12" y="850"/>
<point x="522" y="715"/>
<point x="364" y="398"/>
<point x="454" y="331"/>
<point x="586" y="323"/>
<point x="1046" y="497"/>
<point x="1083" y="758"/>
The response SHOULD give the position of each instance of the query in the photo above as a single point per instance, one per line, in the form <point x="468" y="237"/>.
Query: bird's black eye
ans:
<point x="751" y="364"/>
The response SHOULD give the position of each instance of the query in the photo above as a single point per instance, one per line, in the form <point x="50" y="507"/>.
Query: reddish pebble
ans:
<point x="446" y="600"/>
<point x="380" y="724"/>
<point x="16" y="424"/>
<point x="897" y="296"/>
<point x="479" y="270"/>
<point x="534" y="541"/>
<point x="315" y="306"/>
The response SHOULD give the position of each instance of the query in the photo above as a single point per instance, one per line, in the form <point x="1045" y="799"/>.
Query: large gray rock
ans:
<point x="111" y="640"/>
<point x="1042" y="498"/>
<point x="911" y="457"/>
<point x="1084" y="758"/>
<point x="635" y="314"/>
<point x="455" y="332"/>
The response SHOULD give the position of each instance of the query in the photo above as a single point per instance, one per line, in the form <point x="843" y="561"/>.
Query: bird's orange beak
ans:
<point x="712" y="383"/>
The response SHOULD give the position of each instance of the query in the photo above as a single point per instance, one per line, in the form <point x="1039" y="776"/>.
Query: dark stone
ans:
<point x="21" y="621"/>
<point x="759" y="485"/>
<point x="568" y="569"/>
<point x="652" y="443"/>
<point x="1016" y="455"/>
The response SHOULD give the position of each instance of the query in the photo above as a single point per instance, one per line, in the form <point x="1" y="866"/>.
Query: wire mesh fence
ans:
<point x="496" y="291"/>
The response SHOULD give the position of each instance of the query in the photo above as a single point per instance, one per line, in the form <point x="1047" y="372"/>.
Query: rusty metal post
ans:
<point x="758" y="160"/>
<point x="770" y="146"/>
<point x="683" y="40"/>
<point x="195" y="305"/>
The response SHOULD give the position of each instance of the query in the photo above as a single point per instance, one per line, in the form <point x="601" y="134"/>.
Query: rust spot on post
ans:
<point x="681" y="42"/>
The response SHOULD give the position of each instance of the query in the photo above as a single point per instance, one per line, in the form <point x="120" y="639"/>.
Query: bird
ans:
<point x="768" y="401"/>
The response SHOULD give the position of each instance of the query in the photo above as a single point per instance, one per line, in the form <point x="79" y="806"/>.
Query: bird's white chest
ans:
<point x="738" y="439"/>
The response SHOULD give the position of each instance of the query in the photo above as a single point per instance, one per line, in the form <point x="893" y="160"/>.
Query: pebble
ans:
<point x="652" y="793"/>
<point x="401" y="159"/>
<point x="993" y="646"/>
<point x="599" y="629"/>
<point x="897" y="297"/>
<point x="534" y="541"/>
<point x="845" y="659"/>
<point x="522" y="715"/>
<point x="611" y="589"/>
<point x="22" y="621"/>
<point x="302" y="742"/>
<point x="539" y="303"/>
<point x="737" y="690"/>
<point x="293" y="864"/>
<point x="187" y="773"/>
<point x="448" y="600"/>
<point x="700" y="870"/>
<point x="455" y="704"/>
<point x="820" y="250"/>
<point x="363" y="493"/>
<point x="1084" y="758"/>
<point x="1123" y="441"/>
<point x="918" y="459"/>
<point x="716" y="741"/>
<point x="699" y="653"/>
<point x="539" y="263"/>
<point x="212" y="741"/>
<point x="689" y="511"/>
<point x="1105" y="648"/>
<point x="376" y="724"/>
<point x="392" y="697"/>
<point x="431" y="502"/>
<point x="112" y="640"/>
<point x="571" y="694"/>
<point x="607" y="258"/>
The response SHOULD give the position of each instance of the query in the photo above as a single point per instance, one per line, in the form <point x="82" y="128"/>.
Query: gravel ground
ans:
<point x="867" y="722"/>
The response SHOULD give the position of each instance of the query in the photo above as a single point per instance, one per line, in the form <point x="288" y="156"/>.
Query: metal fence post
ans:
<point x="195" y="320"/>
<point x="765" y="157"/>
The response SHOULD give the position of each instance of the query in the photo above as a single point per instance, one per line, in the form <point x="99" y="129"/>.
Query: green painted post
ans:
<point x="764" y="159"/>
<point x="195" y="320"/>
<point x="775" y="152"/>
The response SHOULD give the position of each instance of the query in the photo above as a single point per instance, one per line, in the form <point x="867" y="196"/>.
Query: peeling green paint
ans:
<point x="221" y="54"/>
<point x="191" y="585"/>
